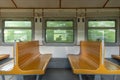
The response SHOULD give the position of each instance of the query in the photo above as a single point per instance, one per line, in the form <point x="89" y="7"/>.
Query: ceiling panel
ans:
<point x="83" y="3"/>
<point x="57" y="4"/>
<point x="37" y="3"/>
<point x="113" y="3"/>
<point x="6" y="3"/>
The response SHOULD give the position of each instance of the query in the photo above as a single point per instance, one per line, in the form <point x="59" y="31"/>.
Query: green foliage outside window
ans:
<point x="102" y="30"/>
<point x="59" y="23"/>
<point x="17" y="23"/>
<point x="17" y="30"/>
<point x="108" y="35"/>
<point x="59" y="32"/>
<point x="101" y="24"/>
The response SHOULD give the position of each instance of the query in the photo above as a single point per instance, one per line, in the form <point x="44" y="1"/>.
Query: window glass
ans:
<point x="102" y="29"/>
<point x="101" y="23"/>
<point x="65" y="36"/>
<point x="17" y="23"/>
<point x="59" y="31"/>
<point x="107" y="34"/>
<point x="12" y="34"/>
<point x="59" y="23"/>
<point x="17" y="30"/>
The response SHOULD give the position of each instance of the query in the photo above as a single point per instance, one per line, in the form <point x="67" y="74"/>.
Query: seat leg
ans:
<point x="38" y="77"/>
<point x="3" y="77"/>
<point x="97" y="77"/>
<point x="115" y="77"/>
<point x="80" y="77"/>
<point x="19" y="77"/>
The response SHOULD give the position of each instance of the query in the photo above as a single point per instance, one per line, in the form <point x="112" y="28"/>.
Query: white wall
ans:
<point x="6" y="50"/>
<point x="61" y="51"/>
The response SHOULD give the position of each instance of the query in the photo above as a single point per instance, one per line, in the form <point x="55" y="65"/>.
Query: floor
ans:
<point x="56" y="74"/>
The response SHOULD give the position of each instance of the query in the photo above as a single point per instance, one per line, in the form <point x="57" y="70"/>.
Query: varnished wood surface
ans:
<point x="91" y="50"/>
<point x="81" y="66"/>
<point x="82" y="63"/>
<point x="29" y="57"/>
<point x="27" y="52"/>
<point x="111" y="66"/>
<point x="39" y="63"/>
<point x="89" y="56"/>
<point x="3" y="56"/>
<point x="116" y="57"/>
<point x="88" y="61"/>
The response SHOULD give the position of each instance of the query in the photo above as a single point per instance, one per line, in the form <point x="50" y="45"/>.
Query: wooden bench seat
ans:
<point x="89" y="60"/>
<point x="39" y="63"/>
<point x="4" y="56"/>
<point x="82" y="66"/>
<point x="111" y="66"/>
<point x="28" y="59"/>
<point x="116" y="57"/>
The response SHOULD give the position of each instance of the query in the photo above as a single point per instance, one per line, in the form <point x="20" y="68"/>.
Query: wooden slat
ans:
<point x="3" y="56"/>
<point x="89" y="60"/>
<point x="82" y="63"/>
<point x="111" y="66"/>
<point x="91" y="50"/>
<point x="39" y="63"/>
<point x="116" y="57"/>
<point x="29" y="57"/>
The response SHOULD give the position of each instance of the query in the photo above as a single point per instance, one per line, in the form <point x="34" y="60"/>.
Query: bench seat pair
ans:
<point x="91" y="60"/>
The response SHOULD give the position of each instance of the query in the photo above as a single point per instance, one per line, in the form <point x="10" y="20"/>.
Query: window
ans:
<point x="17" y="30"/>
<point x="59" y="31"/>
<point x="102" y="29"/>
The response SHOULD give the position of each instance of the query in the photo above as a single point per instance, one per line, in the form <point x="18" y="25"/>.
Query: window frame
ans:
<point x="105" y="19"/>
<point x="45" y="19"/>
<point x="17" y="28"/>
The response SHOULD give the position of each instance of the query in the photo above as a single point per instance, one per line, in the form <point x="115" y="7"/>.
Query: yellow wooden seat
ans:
<point x="89" y="60"/>
<point x="116" y="57"/>
<point x="4" y="56"/>
<point x="6" y="63"/>
<point x="29" y="60"/>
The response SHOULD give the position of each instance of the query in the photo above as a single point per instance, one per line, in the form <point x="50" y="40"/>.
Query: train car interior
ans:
<point x="59" y="40"/>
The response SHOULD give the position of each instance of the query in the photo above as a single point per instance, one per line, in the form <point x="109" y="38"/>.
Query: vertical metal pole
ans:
<point x="37" y="77"/>
<point x="97" y="77"/>
<point x="14" y="52"/>
<point x="115" y="77"/>
<point x="3" y="77"/>
<point x="19" y="77"/>
<point x="80" y="77"/>
<point x="103" y="50"/>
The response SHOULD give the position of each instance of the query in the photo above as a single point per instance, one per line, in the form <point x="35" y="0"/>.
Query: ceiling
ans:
<point x="58" y="4"/>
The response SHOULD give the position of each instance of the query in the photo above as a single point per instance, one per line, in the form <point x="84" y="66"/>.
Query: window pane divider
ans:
<point x="16" y="28"/>
<point x="103" y="28"/>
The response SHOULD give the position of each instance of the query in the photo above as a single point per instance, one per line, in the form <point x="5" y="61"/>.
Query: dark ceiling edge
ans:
<point x="60" y="8"/>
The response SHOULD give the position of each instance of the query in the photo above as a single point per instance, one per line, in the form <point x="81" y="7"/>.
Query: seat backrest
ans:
<point x="27" y="52"/>
<point x="91" y="50"/>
